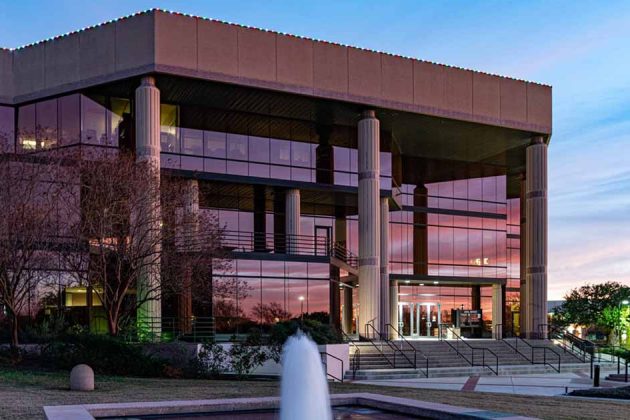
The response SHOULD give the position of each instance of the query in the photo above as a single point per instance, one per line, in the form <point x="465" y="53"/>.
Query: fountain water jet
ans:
<point x="304" y="389"/>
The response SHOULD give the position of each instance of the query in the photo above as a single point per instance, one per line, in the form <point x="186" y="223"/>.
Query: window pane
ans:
<point x="301" y="154"/>
<point x="258" y="149"/>
<point x="192" y="141"/>
<point x="215" y="144"/>
<point x="280" y="152"/>
<point x="120" y="107"/>
<point x="237" y="147"/>
<point x="94" y="122"/>
<point x="168" y="128"/>
<point x="46" y="116"/>
<point x="69" y="120"/>
<point x="26" y="128"/>
<point x="7" y="130"/>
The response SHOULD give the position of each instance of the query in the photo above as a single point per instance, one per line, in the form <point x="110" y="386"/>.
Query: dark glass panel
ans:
<point x="46" y="126"/>
<point x="237" y="168"/>
<point x="281" y="172"/>
<point x="27" y="140"/>
<point x="249" y="304"/>
<point x="272" y="309"/>
<point x="7" y="129"/>
<point x="224" y="303"/>
<point x="94" y="123"/>
<point x="259" y="170"/>
<point x="214" y="165"/>
<point x="119" y="107"/>
<point x="301" y="155"/>
<point x="237" y="147"/>
<point x="297" y="294"/>
<point x="169" y="122"/>
<point x="192" y="163"/>
<point x="192" y="141"/>
<point x="280" y="152"/>
<point x="170" y="161"/>
<point x="319" y="296"/>
<point x="258" y="149"/>
<point x="386" y="164"/>
<point x="69" y="119"/>
<point x="215" y="144"/>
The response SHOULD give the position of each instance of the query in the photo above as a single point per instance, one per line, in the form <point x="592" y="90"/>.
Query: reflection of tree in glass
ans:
<point x="270" y="313"/>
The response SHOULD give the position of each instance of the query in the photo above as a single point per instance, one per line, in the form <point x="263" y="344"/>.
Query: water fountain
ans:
<point x="304" y="389"/>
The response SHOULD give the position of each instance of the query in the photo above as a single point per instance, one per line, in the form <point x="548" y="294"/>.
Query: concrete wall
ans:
<point x="202" y="48"/>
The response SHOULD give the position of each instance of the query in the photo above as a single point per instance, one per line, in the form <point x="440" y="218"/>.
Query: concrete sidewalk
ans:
<point x="536" y="384"/>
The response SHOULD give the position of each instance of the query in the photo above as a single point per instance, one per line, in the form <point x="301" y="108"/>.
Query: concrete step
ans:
<point x="383" y="374"/>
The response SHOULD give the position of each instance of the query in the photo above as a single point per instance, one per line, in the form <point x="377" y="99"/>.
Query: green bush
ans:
<point x="103" y="353"/>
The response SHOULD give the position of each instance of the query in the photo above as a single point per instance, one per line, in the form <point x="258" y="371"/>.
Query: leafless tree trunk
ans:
<point x="126" y="233"/>
<point x="28" y="229"/>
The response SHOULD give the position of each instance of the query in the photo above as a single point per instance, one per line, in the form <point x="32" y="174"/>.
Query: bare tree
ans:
<point x="29" y="190"/>
<point x="128" y="223"/>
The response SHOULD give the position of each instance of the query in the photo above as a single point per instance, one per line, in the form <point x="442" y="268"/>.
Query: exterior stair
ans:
<point x="375" y="361"/>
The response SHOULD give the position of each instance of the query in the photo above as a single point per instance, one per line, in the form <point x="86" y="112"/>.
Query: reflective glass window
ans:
<point x="46" y="123"/>
<point x="7" y="129"/>
<point x="69" y="119"/>
<point x="215" y="144"/>
<point x="27" y="140"/>
<point x="169" y="122"/>
<point x="237" y="146"/>
<point x="94" y="122"/>
<point x="192" y="141"/>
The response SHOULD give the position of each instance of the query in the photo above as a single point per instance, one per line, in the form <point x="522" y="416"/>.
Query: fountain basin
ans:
<point x="232" y="407"/>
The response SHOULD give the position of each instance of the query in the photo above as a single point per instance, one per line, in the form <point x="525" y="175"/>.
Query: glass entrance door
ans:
<point x="418" y="319"/>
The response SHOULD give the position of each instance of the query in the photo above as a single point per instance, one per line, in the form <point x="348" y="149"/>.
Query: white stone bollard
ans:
<point x="82" y="378"/>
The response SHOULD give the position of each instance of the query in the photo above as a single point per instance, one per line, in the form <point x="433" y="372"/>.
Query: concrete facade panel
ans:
<point x="175" y="40"/>
<point x="458" y="88"/>
<point x="28" y="63"/>
<point x="256" y="54"/>
<point x="364" y="73"/>
<point x="513" y="100"/>
<point x="97" y="51"/>
<point x="397" y="78"/>
<point x="6" y="75"/>
<point x="486" y="96"/>
<point x="61" y="61"/>
<point x="135" y="42"/>
<point x="428" y="84"/>
<point x="539" y="105"/>
<point x="330" y="67"/>
<point x="295" y="61"/>
<point x="217" y="47"/>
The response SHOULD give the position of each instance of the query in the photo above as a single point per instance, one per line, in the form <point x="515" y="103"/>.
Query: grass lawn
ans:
<point x="24" y="393"/>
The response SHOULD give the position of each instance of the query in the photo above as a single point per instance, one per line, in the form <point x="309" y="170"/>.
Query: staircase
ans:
<point x="376" y="360"/>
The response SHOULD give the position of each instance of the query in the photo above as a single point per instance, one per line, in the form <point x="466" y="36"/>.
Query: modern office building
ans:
<point x="355" y="186"/>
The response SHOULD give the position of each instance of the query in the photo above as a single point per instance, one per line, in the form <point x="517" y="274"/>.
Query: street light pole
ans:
<point x="301" y="299"/>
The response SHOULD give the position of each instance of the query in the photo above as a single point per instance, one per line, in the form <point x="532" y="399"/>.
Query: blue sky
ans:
<point x="580" y="48"/>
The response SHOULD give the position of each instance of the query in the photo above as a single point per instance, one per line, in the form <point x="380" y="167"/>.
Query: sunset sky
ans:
<point x="580" y="48"/>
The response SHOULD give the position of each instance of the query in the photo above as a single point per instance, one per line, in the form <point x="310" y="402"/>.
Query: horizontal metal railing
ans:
<point x="164" y="329"/>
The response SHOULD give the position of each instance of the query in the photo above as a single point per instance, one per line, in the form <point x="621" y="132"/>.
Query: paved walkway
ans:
<point x="535" y="384"/>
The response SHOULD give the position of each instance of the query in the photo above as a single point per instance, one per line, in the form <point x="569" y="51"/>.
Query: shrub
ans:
<point x="105" y="354"/>
<point x="211" y="361"/>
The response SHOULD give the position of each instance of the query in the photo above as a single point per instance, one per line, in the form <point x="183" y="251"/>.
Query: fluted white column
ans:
<point x="536" y="238"/>
<point x="385" y="314"/>
<point x="369" y="222"/>
<point x="497" y="312"/>
<point x="147" y="105"/>
<point x="393" y="310"/>
<point x="292" y="220"/>
<point x="523" y="262"/>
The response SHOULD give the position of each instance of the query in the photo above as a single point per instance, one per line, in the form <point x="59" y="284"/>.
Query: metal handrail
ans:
<point x="459" y="339"/>
<point x="323" y="353"/>
<point x="532" y="358"/>
<point x="355" y="361"/>
<point x="415" y="351"/>
<point x="339" y="251"/>
<point x="380" y="350"/>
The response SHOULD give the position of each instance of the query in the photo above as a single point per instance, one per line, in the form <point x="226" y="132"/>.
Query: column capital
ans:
<point x="147" y="81"/>
<point x="537" y="140"/>
<point x="368" y="113"/>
